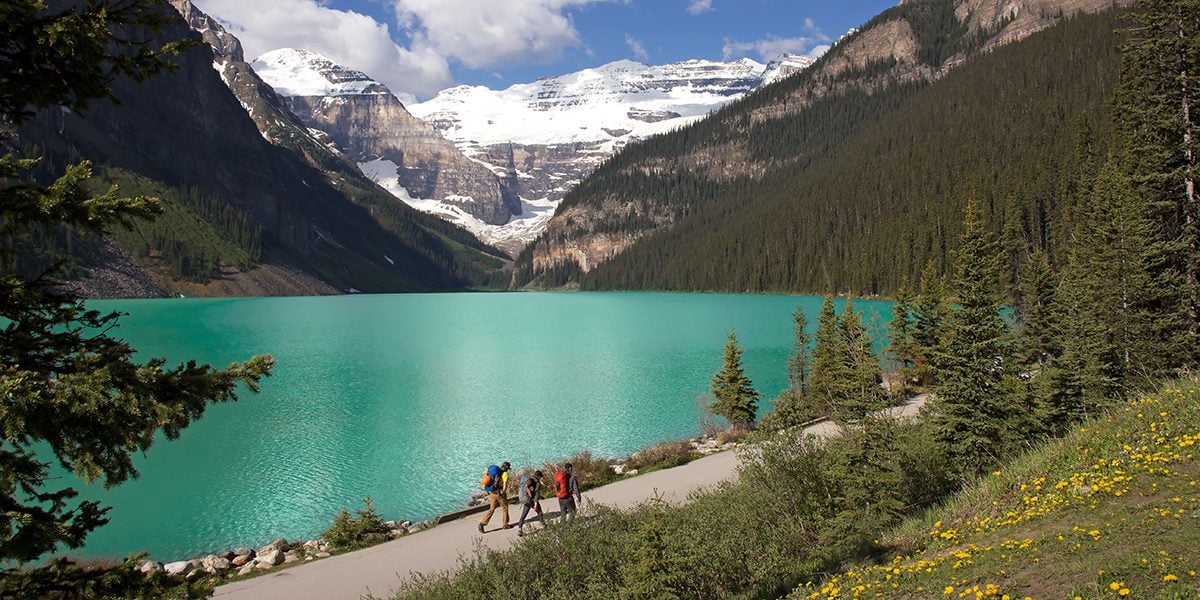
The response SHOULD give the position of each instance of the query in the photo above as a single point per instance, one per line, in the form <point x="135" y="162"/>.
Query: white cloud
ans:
<point x="346" y="37"/>
<point x="812" y="43"/>
<point x="636" y="46"/>
<point x="696" y="7"/>
<point x="482" y="34"/>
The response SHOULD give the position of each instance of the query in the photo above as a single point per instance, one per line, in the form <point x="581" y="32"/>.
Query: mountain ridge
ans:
<point x="650" y="188"/>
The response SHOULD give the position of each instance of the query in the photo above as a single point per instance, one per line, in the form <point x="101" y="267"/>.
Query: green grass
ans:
<point x="1113" y="506"/>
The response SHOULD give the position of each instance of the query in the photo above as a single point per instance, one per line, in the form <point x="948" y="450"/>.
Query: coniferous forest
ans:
<point x="869" y="187"/>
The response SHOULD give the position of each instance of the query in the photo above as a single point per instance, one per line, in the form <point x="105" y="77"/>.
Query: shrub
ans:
<point x="662" y="456"/>
<point x="361" y="530"/>
<point x="732" y="435"/>
<point x="591" y="471"/>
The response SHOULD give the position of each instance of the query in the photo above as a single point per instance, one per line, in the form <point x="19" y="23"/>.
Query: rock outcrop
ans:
<point x="369" y="123"/>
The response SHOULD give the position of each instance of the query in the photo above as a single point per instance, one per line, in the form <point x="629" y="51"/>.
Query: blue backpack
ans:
<point x="491" y="479"/>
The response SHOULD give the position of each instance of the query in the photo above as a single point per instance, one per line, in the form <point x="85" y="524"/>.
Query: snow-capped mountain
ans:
<point x="784" y="65"/>
<point x="398" y="150"/>
<point x="556" y="130"/>
<point x="608" y="104"/>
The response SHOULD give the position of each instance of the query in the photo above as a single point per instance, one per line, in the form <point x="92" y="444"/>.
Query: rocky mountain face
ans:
<point x="548" y="135"/>
<point x="371" y="125"/>
<point x="186" y="130"/>
<point x="908" y="44"/>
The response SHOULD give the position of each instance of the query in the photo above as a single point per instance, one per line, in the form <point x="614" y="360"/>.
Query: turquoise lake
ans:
<point x="407" y="398"/>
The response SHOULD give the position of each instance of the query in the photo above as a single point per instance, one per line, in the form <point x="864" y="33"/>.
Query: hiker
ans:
<point x="530" y="486"/>
<point x="566" y="489"/>
<point x="495" y="483"/>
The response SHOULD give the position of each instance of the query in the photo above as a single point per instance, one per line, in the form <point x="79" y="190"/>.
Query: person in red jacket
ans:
<point x="566" y="489"/>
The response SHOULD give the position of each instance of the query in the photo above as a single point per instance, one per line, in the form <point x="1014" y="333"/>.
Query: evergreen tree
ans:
<point x="829" y="360"/>
<point x="1036" y="311"/>
<point x="929" y="315"/>
<point x="857" y="391"/>
<point x="797" y="365"/>
<point x="1108" y="331"/>
<point x="901" y="334"/>
<point x="976" y="418"/>
<point x="794" y="404"/>
<point x="657" y="571"/>
<point x="868" y="498"/>
<point x="1158" y="104"/>
<point x="70" y="390"/>
<point x="734" y="396"/>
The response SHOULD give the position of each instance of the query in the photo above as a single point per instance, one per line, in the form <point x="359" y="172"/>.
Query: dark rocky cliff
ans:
<point x="186" y="129"/>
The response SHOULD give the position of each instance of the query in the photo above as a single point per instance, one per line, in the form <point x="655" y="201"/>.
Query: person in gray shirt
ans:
<point x="531" y="485"/>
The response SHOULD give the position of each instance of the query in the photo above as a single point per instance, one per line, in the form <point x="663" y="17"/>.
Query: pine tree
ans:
<point x="829" y="361"/>
<point x="1036" y="311"/>
<point x="798" y="361"/>
<point x="70" y="390"/>
<point x="901" y="334"/>
<point x="657" y="571"/>
<point x="1108" y="331"/>
<point x="1158" y="106"/>
<point x="869" y="484"/>
<point x="976" y="418"/>
<point x="734" y="396"/>
<point x="929" y="315"/>
<point x="857" y="392"/>
<point x="794" y="404"/>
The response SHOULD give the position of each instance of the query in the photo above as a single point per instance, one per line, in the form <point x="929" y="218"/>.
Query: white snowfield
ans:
<point x="295" y="72"/>
<point x="613" y="103"/>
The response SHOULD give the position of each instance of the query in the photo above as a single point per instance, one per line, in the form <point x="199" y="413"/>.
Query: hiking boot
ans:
<point x="481" y="528"/>
<point x="520" y="533"/>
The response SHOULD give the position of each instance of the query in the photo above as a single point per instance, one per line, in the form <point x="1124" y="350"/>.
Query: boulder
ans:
<point x="147" y="567"/>
<point x="179" y="568"/>
<point x="290" y="557"/>
<point x="246" y="569"/>
<point x="243" y="551"/>
<point x="280" y="545"/>
<point x="215" y="564"/>
<point x="322" y="554"/>
<point x="240" y="561"/>
<point x="313" y="544"/>
<point x="229" y="555"/>
<point x="269" y="558"/>
<point x="404" y="525"/>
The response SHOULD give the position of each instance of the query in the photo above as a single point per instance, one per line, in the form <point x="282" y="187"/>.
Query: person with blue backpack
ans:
<point x="495" y="483"/>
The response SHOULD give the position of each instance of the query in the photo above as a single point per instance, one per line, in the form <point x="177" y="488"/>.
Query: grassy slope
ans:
<point x="1112" y="510"/>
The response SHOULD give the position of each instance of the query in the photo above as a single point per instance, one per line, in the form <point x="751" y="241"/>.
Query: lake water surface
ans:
<point x="407" y="398"/>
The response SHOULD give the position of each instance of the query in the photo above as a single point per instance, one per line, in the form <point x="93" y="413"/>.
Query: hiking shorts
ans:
<point x="566" y="504"/>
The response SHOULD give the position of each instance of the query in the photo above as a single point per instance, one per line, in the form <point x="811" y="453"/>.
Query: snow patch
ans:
<point x="521" y="228"/>
<point x="305" y="73"/>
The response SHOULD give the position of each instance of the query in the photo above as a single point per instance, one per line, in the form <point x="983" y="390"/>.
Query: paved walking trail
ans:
<point x="379" y="569"/>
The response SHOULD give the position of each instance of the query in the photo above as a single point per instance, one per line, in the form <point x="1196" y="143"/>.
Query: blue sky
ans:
<point x="417" y="47"/>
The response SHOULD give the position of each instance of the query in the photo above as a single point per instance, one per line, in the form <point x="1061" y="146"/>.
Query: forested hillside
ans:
<point x="843" y="199"/>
